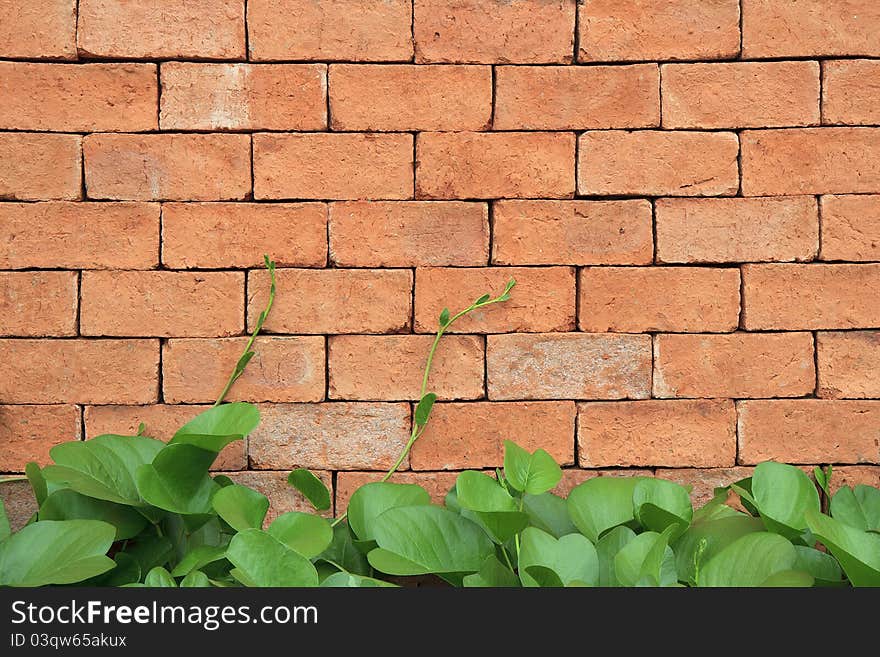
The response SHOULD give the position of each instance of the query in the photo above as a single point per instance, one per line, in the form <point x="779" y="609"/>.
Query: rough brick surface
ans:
<point x="44" y="30"/>
<point x="704" y="481"/>
<point x="18" y="498"/>
<point x="29" y="432"/>
<point x="851" y="92"/>
<point x="283" y="498"/>
<point x="853" y="475"/>
<point x="851" y="228"/>
<point x="848" y="364"/>
<point x="38" y="303"/>
<point x="436" y="483"/>
<point x="35" y="166"/>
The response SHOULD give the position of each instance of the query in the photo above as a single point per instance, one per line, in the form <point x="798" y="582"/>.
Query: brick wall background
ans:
<point x="687" y="192"/>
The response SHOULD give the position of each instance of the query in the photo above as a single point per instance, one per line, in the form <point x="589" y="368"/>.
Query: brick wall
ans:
<point x="687" y="192"/>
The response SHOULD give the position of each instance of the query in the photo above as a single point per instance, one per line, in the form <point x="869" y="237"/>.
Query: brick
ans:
<point x="78" y="97"/>
<point x="436" y="483"/>
<point x="79" y="235"/>
<point x="621" y="30"/>
<point x="45" y="30"/>
<point x="79" y="371"/>
<point x="224" y="235"/>
<point x="284" y="369"/>
<point x="409" y="234"/>
<point x="853" y="475"/>
<point x="848" y="364"/>
<point x="809" y="297"/>
<point x="703" y="481"/>
<point x="658" y="163"/>
<point x="641" y="299"/>
<point x="173" y="167"/>
<point x="737" y="229"/>
<point x="810" y="27"/>
<point x="808" y="431"/>
<point x="851" y="228"/>
<point x="356" y="30"/>
<point x="335" y="435"/>
<point x="572" y="233"/>
<point x="573" y="477"/>
<point x="334" y="301"/>
<point x="677" y="433"/>
<point x="851" y="92"/>
<point x="162" y="303"/>
<point x="472" y="435"/>
<point x="283" y="498"/>
<point x="34" y="166"/>
<point x="810" y="161"/>
<point x="38" y="303"/>
<point x="18" y="498"/>
<point x="406" y="97"/>
<point x="735" y="365"/>
<point x="156" y="29"/>
<point x="495" y="165"/>
<point x="494" y="31"/>
<point x="554" y="98"/>
<point x="390" y="367"/>
<point x="29" y="432"/>
<point x="740" y="95"/>
<point x="340" y="166"/>
<point x="568" y="366"/>
<point x="543" y="299"/>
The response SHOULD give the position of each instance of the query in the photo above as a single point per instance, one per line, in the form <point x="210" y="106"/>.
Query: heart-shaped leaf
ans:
<point x="423" y="409"/>
<point x="749" y="561"/>
<point x="67" y="504"/>
<point x="307" y="534"/>
<point x="199" y="557"/>
<point x="530" y="473"/>
<point x="858" y="552"/>
<point x="158" y="577"/>
<point x="572" y="557"/>
<point x="658" y="504"/>
<point x="599" y="504"/>
<point x="646" y="560"/>
<point x="262" y="560"/>
<point x="480" y="492"/>
<point x="492" y="574"/>
<point x="607" y="548"/>
<point x="311" y="487"/>
<point x="196" y="579"/>
<point x="177" y="480"/>
<point x="820" y="565"/>
<point x="858" y="507"/>
<point x="343" y="554"/>
<point x="38" y="481"/>
<point x="703" y="540"/>
<point x="234" y="420"/>
<point x="241" y="507"/>
<point x="783" y="494"/>
<point x="371" y="500"/>
<point x="550" y="513"/>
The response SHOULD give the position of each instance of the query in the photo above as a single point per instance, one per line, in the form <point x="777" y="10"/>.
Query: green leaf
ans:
<point x="158" y="577"/>
<point x="444" y="317"/>
<point x="220" y="422"/>
<point x="501" y="525"/>
<point x="343" y="554"/>
<point x="783" y="494"/>
<point x="196" y="579"/>
<point x="241" y="507"/>
<point x="607" y="548"/>
<point x="571" y="558"/>
<point x="530" y="473"/>
<point x="550" y="513"/>
<point x="5" y="529"/>
<point x="197" y="558"/>
<point x="127" y="571"/>
<point x="704" y="539"/>
<point x="599" y="504"/>
<point x="67" y="504"/>
<point x="749" y="561"/>
<point x="177" y="480"/>
<point x="150" y="551"/>
<point x="788" y="579"/>
<point x="823" y="478"/>
<point x="263" y="560"/>
<point x="858" y="507"/>
<point x="480" y="492"/>
<point x="820" y="565"/>
<point x="37" y="481"/>
<point x="483" y="299"/>
<point x="492" y="573"/>
<point x="858" y="552"/>
<point x="348" y="580"/>
<point x="311" y="487"/>
<point x="423" y="409"/>
<point x="646" y="560"/>
<point x="371" y="500"/>
<point x="307" y="534"/>
<point x="658" y="504"/>
<point x="509" y="286"/>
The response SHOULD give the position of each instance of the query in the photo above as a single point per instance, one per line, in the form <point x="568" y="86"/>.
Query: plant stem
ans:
<point x="507" y="559"/>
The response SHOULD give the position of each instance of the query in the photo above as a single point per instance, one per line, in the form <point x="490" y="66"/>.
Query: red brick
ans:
<point x="658" y="163"/>
<point x="29" y="432"/>
<point x="495" y="165"/>
<point x="808" y="431"/>
<point x="851" y="92"/>
<point x="162" y="303"/>
<point x="45" y="30"/>
<point x="472" y="435"/>
<point x="735" y="365"/>
<point x="18" y="498"/>
<point x="568" y="366"/>
<point x="174" y="167"/>
<point x="38" y="303"/>
<point x="390" y="367"/>
<point x="703" y="481"/>
<point x="39" y="166"/>
<point x="808" y="297"/>
<point x="79" y="235"/>
<point x="436" y="483"/>
<point x="737" y="229"/>
<point x="334" y="300"/>
<point x="543" y="299"/>
<point x="554" y="98"/>
<point x="678" y="433"/>
<point x="640" y="299"/>
<point x="79" y="371"/>
<point x="223" y="235"/>
<point x="283" y="498"/>
<point x="409" y="234"/>
<point x="848" y="364"/>
<point x="851" y="228"/>
<point x="853" y="475"/>
<point x="494" y="31"/>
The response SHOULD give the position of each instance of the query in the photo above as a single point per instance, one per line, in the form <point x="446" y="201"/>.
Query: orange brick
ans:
<point x="78" y="97"/>
<point x="848" y="364"/>
<point x="689" y="433"/>
<point x="737" y="229"/>
<point x="436" y="483"/>
<point x="543" y="299"/>
<point x="494" y="31"/>
<point x="572" y="233"/>
<point x="157" y="29"/>
<point x="283" y="498"/>
<point x="495" y="165"/>
<point x="409" y="234"/>
<point x="472" y="435"/>
<point x="39" y="166"/>
<point x="284" y="369"/>
<point x="808" y="431"/>
<point x="223" y="235"/>
<point x="79" y="371"/>
<point x="805" y="297"/>
<point x="79" y="235"/>
<point x="29" y="432"/>
<point x="658" y="163"/>
<point x="735" y="365"/>
<point x="38" y="30"/>
<point x="162" y="303"/>
<point x="339" y="166"/>
<point x="851" y="228"/>
<point x="703" y="481"/>
<point x="568" y="366"/>
<point x="407" y="97"/>
<point x="640" y="299"/>
<point x="740" y="95"/>
<point x="334" y="300"/>
<point x="851" y="92"/>
<point x="853" y="475"/>
<point x="810" y="161"/>
<point x="620" y="30"/>
<point x="356" y="30"/>
<point x="38" y="303"/>
<point x="18" y="498"/>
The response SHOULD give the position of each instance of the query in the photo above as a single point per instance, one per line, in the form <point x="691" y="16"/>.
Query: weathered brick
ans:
<point x="737" y="229"/>
<point x="436" y="483"/>
<point x="543" y="299"/>
<point x="44" y="30"/>
<point x="658" y="163"/>
<point x="34" y="166"/>
<point x="639" y="299"/>
<point x="283" y="498"/>
<point x="568" y="366"/>
<point x="38" y="303"/>
<point x="29" y="432"/>
<point x="848" y="364"/>
<point x="851" y="92"/>
<point x="703" y="481"/>
<point x="18" y="498"/>
<point x="853" y="475"/>
<point x="495" y="165"/>
<point x="162" y="303"/>
<point x="677" y="433"/>
<point x="851" y="228"/>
